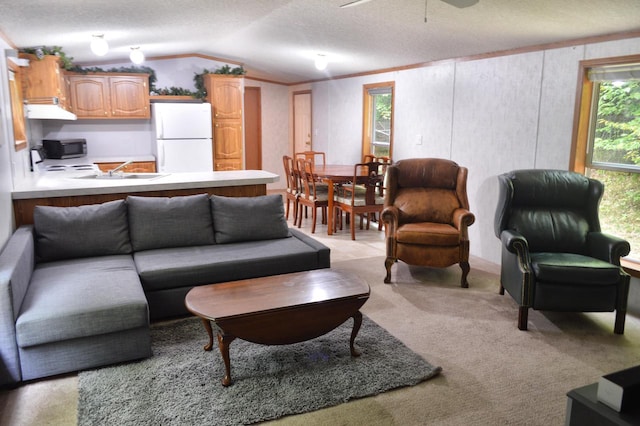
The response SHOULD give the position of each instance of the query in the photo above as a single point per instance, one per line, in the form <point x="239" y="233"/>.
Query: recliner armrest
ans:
<point x="516" y="243"/>
<point x="390" y="216"/>
<point x="607" y="247"/>
<point x="463" y="218"/>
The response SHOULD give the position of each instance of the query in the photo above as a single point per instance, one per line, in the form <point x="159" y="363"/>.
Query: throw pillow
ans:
<point x="248" y="218"/>
<point x="162" y="222"/>
<point x="84" y="231"/>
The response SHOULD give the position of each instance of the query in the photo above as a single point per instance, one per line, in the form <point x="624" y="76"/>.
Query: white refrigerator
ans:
<point x="183" y="137"/>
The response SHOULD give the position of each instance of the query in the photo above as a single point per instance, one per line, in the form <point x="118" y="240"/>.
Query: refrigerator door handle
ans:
<point x="160" y="129"/>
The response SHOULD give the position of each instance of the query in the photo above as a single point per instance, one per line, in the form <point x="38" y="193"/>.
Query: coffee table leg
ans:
<point x="224" y="340"/>
<point x="357" y="322"/>
<point x="207" y="326"/>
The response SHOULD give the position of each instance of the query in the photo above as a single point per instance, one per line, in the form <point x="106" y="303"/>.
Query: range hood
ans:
<point x="47" y="109"/>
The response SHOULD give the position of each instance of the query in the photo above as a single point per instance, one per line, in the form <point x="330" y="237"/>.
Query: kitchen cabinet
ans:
<point x="43" y="80"/>
<point x="226" y="93"/>
<point x="109" y="95"/>
<point x="17" y="107"/>
<point x="135" y="167"/>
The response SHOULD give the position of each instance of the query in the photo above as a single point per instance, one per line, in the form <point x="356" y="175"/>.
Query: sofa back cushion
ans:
<point x="248" y="218"/>
<point x="162" y="222"/>
<point x="83" y="231"/>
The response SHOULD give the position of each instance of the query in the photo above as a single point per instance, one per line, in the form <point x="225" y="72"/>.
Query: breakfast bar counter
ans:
<point x="66" y="189"/>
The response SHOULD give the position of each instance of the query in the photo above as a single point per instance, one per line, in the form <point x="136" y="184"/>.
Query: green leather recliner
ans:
<point x="554" y="256"/>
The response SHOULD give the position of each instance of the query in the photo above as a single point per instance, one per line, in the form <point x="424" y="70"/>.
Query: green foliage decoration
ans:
<point x="40" y="52"/>
<point x="201" y="91"/>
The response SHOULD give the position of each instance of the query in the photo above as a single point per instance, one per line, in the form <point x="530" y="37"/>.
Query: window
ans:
<point x="607" y="144"/>
<point x="377" y="129"/>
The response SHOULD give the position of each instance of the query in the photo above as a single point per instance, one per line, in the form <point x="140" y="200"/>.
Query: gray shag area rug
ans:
<point x="181" y="383"/>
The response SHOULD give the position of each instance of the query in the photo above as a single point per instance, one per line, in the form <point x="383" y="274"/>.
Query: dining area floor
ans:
<point x="368" y="242"/>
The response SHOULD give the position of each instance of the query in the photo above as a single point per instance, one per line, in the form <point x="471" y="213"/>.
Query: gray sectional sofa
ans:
<point x="79" y="287"/>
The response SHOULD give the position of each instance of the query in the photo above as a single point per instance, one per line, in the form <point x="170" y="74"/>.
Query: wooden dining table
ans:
<point x="332" y="174"/>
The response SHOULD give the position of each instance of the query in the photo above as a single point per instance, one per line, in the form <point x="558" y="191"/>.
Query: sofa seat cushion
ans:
<point x="573" y="268"/>
<point x="190" y="266"/>
<point x="428" y="233"/>
<point x="72" y="299"/>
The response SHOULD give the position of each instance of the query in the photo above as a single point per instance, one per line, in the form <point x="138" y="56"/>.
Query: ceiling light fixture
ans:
<point x="99" y="45"/>
<point x="321" y="62"/>
<point x="136" y="55"/>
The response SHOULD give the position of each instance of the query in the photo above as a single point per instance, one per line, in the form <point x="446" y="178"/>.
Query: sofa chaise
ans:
<point x="79" y="287"/>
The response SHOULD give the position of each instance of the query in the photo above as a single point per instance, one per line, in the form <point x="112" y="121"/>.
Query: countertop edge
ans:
<point x="114" y="187"/>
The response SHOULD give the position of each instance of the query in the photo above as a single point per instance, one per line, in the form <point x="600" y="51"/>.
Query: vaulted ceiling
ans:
<point x="278" y="39"/>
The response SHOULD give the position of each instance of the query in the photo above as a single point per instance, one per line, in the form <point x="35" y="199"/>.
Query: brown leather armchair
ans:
<point x="554" y="256"/>
<point x="426" y="214"/>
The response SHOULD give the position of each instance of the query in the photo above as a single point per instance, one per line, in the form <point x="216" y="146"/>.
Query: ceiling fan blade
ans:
<point x="461" y="3"/>
<point x="355" y="3"/>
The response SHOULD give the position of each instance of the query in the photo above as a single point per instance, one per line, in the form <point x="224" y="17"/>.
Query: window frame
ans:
<point x="582" y="126"/>
<point x="368" y="111"/>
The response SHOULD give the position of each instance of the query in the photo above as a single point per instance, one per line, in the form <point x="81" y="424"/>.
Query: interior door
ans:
<point x="302" y="140"/>
<point x="252" y="128"/>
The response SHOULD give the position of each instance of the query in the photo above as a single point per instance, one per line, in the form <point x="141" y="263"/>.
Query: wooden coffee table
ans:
<point x="279" y="309"/>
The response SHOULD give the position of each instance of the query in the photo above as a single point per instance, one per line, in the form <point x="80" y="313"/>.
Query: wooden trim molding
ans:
<point x="632" y="268"/>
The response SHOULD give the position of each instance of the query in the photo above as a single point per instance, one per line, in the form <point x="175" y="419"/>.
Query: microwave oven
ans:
<point x="64" y="148"/>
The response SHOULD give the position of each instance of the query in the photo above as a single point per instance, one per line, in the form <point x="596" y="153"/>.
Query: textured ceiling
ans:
<point x="276" y="39"/>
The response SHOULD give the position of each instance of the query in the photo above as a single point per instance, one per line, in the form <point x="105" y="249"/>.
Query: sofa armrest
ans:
<point x="324" y="253"/>
<point x="607" y="247"/>
<point x="17" y="261"/>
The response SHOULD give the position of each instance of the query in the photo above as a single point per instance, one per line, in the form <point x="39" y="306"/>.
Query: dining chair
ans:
<point x="360" y="196"/>
<point x="293" y="187"/>
<point x="312" y="156"/>
<point x="310" y="195"/>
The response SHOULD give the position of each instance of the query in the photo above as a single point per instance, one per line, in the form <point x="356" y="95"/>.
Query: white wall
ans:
<point x="490" y="115"/>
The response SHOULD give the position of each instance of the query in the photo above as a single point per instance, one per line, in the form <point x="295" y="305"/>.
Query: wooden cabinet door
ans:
<point x="227" y="165"/>
<point x="135" y="167"/>
<point x="43" y="78"/>
<point x="227" y="98"/>
<point x="103" y="95"/>
<point x="17" y="108"/>
<point x="89" y="95"/>
<point x="129" y="96"/>
<point x="227" y="140"/>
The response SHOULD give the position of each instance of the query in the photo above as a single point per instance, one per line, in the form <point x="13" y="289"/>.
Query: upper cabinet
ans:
<point x="109" y="95"/>
<point x="43" y="80"/>
<point x="226" y="93"/>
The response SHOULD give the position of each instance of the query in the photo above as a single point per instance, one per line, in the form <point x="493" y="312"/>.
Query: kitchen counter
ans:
<point x="60" y="184"/>
<point x="75" y="188"/>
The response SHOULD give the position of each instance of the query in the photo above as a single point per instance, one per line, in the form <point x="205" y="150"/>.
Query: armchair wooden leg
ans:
<point x="523" y="317"/>
<point x="465" y="271"/>
<point x="501" y="290"/>
<point x="620" y="318"/>
<point x="388" y="263"/>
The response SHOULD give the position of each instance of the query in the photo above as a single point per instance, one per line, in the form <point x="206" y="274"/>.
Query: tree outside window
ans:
<point x="613" y="157"/>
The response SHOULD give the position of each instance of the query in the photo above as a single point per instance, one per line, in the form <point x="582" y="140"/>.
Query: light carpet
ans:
<point x="180" y="383"/>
